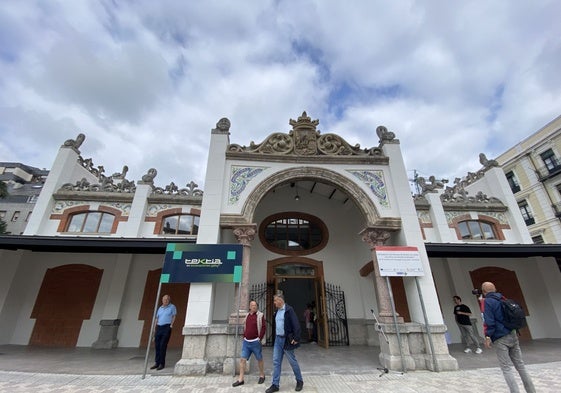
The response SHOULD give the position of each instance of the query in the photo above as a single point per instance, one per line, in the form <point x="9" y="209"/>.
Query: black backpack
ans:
<point x="514" y="316"/>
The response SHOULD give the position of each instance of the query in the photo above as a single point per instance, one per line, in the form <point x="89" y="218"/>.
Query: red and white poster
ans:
<point x="401" y="261"/>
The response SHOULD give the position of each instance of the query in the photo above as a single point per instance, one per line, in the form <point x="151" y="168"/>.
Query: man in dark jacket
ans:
<point x="287" y="339"/>
<point x="505" y="340"/>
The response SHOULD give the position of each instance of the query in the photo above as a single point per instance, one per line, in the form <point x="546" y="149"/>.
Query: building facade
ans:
<point x="310" y="211"/>
<point x="533" y="170"/>
<point x="24" y="184"/>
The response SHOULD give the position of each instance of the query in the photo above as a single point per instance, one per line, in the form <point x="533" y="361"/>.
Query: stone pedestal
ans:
<point x="415" y="348"/>
<point x="209" y="349"/>
<point x="107" y="334"/>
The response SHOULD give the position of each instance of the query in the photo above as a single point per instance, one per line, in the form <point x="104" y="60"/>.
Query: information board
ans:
<point x="399" y="261"/>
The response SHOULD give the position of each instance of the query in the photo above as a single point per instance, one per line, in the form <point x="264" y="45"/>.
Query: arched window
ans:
<point x="477" y="230"/>
<point x="180" y="224"/>
<point x="293" y="233"/>
<point x="91" y="222"/>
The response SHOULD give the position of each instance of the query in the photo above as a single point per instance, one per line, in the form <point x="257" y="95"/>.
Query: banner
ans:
<point x="185" y="263"/>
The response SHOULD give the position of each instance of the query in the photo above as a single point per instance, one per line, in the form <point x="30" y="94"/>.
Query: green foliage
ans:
<point x="3" y="226"/>
<point x="3" y="190"/>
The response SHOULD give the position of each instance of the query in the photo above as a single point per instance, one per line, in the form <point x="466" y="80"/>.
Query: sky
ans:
<point x="146" y="81"/>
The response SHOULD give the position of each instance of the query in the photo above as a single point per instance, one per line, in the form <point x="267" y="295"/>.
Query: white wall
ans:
<point x="452" y="278"/>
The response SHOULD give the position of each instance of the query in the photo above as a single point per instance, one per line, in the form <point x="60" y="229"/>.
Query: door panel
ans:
<point x="506" y="283"/>
<point x="321" y="323"/>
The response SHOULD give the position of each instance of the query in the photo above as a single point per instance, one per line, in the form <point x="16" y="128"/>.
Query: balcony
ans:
<point x="515" y="188"/>
<point x="557" y="208"/>
<point x="529" y="221"/>
<point x="547" y="172"/>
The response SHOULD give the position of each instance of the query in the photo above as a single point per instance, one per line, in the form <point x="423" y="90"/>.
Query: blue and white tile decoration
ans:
<point x="239" y="179"/>
<point x="375" y="181"/>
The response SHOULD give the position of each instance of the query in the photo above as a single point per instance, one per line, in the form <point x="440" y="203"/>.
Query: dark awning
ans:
<point x="463" y="250"/>
<point x="158" y="246"/>
<point x="88" y="244"/>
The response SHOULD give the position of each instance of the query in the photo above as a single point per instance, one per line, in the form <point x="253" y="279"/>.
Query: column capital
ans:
<point x="245" y="234"/>
<point x="375" y="236"/>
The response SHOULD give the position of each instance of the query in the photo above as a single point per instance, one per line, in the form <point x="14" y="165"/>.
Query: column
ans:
<point x="244" y="235"/>
<point x="377" y="237"/>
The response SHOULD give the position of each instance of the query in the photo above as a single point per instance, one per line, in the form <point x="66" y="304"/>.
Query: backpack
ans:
<point x="514" y="316"/>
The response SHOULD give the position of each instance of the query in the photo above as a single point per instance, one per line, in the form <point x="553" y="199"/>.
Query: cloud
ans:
<point x="147" y="81"/>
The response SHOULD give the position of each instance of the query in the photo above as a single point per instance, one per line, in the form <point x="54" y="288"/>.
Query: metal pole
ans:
<point x="403" y="368"/>
<point x="237" y="327"/>
<point x="152" y="329"/>
<point x="435" y="363"/>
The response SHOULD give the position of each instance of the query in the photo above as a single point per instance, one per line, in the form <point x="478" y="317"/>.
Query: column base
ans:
<point x="190" y="367"/>
<point x="237" y="318"/>
<point x="107" y="339"/>
<point x="416" y="352"/>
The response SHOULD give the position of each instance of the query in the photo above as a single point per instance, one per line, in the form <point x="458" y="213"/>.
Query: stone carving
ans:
<point x="487" y="163"/>
<point x="223" y="126"/>
<point x="432" y="185"/>
<point x="458" y="193"/>
<point x="171" y="189"/>
<point x="148" y="178"/>
<point x="305" y="140"/>
<point x="245" y="235"/>
<point x="461" y="196"/>
<point x="121" y="175"/>
<point x="385" y="135"/>
<point x="106" y="185"/>
<point x="75" y="143"/>
<point x="88" y="164"/>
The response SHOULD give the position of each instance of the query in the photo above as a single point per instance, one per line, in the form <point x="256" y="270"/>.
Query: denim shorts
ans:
<point x="249" y="347"/>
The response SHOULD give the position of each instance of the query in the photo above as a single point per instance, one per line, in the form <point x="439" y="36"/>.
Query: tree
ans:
<point x="3" y="190"/>
<point x="3" y="194"/>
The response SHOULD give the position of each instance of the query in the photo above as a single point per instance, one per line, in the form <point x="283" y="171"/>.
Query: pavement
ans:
<point x="337" y="369"/>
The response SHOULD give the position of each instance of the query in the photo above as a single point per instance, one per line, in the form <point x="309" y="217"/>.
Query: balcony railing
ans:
<point x="530" y="221"/>
<point x="557" y="208"/>
<point x="515" y="188"/>
<point x="545" y="172"/>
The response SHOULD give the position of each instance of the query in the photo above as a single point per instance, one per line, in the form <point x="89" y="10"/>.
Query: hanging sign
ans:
<point x="399" y="261"/>
<point x="185" y="263"/>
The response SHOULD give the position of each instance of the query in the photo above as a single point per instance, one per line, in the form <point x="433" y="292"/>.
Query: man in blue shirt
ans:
<point x="164" y="322"/>
<point x="505" y="340"/>
<point x="287" y="339"/>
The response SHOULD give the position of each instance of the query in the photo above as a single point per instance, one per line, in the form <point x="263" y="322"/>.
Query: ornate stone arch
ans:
<point x="361" y="199"/>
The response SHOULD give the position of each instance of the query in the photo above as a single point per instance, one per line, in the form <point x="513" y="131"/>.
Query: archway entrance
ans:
<point x="507" y="283"/>
<point x="301" y="281"/>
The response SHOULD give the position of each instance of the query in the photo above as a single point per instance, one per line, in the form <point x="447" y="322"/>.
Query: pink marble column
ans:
<point x="244" y="235"/>
<point x="377" y="237"/>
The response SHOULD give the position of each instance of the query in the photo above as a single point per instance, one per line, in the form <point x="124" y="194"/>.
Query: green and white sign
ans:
<point x="202" y="263"/>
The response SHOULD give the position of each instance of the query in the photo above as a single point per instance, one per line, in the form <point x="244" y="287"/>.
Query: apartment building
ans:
<point x="24" y="184"/>
<point x="533" y="171"/>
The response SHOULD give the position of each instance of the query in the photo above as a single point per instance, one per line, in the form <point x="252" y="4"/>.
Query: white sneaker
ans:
<point x="478" y="351"/>
<point x="467" y="350"/>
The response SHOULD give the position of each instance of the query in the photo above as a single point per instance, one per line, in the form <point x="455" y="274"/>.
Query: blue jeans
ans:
<point x="278" y="353"/>
<point x="508" y="349"/>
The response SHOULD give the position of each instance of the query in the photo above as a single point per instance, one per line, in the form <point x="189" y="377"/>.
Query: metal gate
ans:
<point x="336" y="315"/>
<point x="334" y="305"/>
<point x="263" y="295"/>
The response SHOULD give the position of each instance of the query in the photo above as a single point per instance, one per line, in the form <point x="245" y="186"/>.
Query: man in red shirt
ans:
<point x="254" y="331"/>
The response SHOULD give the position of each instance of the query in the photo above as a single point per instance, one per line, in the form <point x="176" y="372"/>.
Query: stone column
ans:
<point x="244" y="235"/>
<point x="377" y="237"/>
